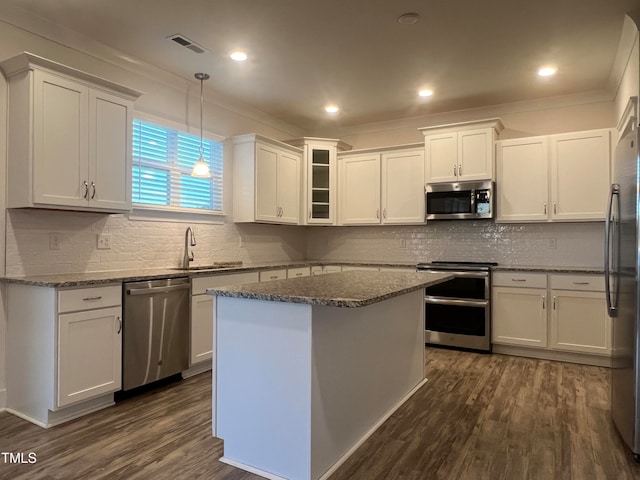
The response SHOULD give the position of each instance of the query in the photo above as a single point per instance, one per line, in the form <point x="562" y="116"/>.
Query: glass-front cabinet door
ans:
<point x="319" y="179"/>
<point x="321" y="196"/>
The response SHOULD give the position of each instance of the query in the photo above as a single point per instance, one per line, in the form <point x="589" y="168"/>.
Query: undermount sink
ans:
<point x="214" y="266"/>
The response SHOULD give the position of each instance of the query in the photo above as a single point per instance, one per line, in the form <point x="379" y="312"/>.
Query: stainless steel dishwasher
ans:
<point x="155" y="330"/>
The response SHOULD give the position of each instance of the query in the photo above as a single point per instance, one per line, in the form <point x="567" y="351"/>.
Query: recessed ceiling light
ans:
<point x="547" y="71"/>
<point x="425" y="92"/>
<point x="238" y="56"/>
<point x="408" y="18"/>
<point x="331" y="109"/>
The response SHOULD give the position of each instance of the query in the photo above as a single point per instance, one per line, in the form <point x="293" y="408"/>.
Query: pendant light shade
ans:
<point x="200" y="168"/>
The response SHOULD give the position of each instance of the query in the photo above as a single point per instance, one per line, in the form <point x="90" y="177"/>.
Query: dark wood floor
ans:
<point x="479" y="417"/>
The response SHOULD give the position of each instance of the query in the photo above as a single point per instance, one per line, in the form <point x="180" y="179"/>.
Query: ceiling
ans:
<point x="354" y="53"/>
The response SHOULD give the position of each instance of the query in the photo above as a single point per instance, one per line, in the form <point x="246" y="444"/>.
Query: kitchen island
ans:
<point x="306" y="369"/>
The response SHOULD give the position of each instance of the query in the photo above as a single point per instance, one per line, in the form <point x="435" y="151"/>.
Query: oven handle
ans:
<point x="457" y="273"/>
<point x="460" y="302"/>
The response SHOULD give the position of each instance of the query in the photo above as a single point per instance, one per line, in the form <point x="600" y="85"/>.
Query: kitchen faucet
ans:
<point x="188" y="258"/>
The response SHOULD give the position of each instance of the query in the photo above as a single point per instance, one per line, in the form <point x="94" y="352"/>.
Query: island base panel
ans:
<point x="300" y="387"/>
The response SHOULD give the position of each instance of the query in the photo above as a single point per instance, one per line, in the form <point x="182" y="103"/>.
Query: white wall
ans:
<point x="628" y="60"/>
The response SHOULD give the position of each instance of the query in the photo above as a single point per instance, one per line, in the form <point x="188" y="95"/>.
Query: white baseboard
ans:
<point x="581" y="358"/>
<point x="70" y="413"/>
<point x="250" y="469"/>
<point x="197" y="369"/>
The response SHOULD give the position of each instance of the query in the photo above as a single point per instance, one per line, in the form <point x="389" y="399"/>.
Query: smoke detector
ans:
<point x="408" y="18"/>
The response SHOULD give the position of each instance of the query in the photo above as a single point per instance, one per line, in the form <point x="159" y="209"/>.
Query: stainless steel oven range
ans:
<point x="458" y="311"/>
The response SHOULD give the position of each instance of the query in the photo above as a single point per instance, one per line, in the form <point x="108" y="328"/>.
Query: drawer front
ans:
<point x="298" y="272"/>
<point x="267" y="275"/>
<point x="519" y="279"/>
<point x="199" y="285"/>
<point x="89" y="298"/>
<point x="331" y="269"/>
<point x="586" y="283"/>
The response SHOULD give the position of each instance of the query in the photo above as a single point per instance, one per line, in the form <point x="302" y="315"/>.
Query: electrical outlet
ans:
<point x="54" y="241"/>
<point x="553" y="243"/>
<point x="403" y="242"/>
<point x="240" y="241"/>
<point x="104" y="241"/>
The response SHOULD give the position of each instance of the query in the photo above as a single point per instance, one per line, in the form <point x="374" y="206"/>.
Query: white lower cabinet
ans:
<point x="89" y="354"/>
<point x="64" y="351"/>
<point x="202" y="312"/>
<point x="322" y="269"/>
<point x="267" y="275"/>
<point x="298" y="272"/>
<point x="519" y="316"/>
<point x="561" y="314"/>
<point x="579" y="319"/>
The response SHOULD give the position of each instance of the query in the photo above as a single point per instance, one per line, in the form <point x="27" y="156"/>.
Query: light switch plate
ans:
<point x="54" y="241"/>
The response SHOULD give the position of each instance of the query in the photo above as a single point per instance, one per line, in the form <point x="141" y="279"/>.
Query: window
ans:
<point x="162" y="162"/>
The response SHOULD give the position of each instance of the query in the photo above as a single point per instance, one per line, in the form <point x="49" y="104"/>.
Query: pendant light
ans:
<point x="200" y="168"/>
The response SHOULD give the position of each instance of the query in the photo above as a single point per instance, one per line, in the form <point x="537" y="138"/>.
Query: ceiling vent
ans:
<point x="186" y="43"/>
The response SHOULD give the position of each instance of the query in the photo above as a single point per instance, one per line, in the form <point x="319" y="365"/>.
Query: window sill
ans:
<point x="141" y="214"/>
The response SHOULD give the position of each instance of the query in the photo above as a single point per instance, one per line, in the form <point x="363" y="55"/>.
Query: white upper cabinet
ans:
<point x="580" y="165"/>
<point x="403" y="186"/>
<point x="382" y="186"/>
<point x="560" y="178"/>
<point x="460" y="152"/>
<point x="522" y="180"/>
<point x="69" y="138"/>
<point x="266" y="180"/>
<point x="318" y="202"/>
<point x="359" y="187"/>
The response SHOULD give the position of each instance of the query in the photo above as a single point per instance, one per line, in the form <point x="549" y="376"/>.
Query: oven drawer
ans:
<point x="520" y="279"/>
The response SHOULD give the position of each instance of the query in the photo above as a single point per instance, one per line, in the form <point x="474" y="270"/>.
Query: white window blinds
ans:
<point x="162" y="162"/>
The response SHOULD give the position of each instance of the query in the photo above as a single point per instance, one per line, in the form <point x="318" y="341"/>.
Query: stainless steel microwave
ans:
<point x="459" y="201"/>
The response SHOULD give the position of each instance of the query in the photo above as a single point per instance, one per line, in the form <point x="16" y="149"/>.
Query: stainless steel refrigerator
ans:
<point x="621" y="279"/>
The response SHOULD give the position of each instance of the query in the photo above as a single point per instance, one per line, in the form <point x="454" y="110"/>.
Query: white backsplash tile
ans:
<point x="136" y="243"/>
<point x="557" y="244"/>
<point x="149" y="244"/>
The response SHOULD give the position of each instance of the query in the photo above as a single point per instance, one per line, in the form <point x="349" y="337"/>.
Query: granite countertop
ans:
<point x="114" y="276"/>
<point x="347" y="289"/>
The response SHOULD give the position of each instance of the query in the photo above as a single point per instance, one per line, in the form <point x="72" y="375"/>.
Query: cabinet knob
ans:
<point x="93" y="193"/>
<point x="544" y="302"/>
<point x="545" y="208"/>
<point x="384" y="213"/>
<point x="459" y="170"/>
<point x="309" y="214"/>
<point x="378" y="213"/>
<point x="455" y="169"/>
<point x="119" y="324"/>
<point x="555" y="208"/>
<point x="554" y="302"/>
<point x="86" y="190"/>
